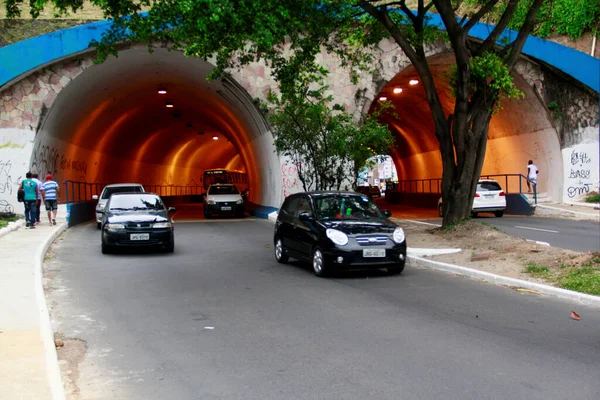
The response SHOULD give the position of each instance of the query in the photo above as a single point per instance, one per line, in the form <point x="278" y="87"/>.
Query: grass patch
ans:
<point x="584" y="278"/>
<point x="537" y="270"/>
<point x="452" y="227"/>
<point x="592" y="197"/>
<point x="6" y="218"/>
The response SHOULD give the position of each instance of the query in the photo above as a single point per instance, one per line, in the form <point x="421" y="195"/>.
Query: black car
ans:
<point x="135" y="220"/>
<point x="338" y="231"/>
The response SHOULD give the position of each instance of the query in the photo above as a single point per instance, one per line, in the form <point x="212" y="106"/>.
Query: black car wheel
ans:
<point x="206" y="214"/>
<point x="440" y="212"/>
<point x="105" y="248"/>
<point x="318" y="263"/>
<point x="170" y="247"/>
<point x="279" y="252"/>
<point x="396" y="270"/>
<point x="474" y="214"/>
<point x="99" y="225"/>
<point x="499" y="213"/>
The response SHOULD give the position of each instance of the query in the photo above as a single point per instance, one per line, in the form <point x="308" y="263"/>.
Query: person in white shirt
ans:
<point x="532" y="173"/>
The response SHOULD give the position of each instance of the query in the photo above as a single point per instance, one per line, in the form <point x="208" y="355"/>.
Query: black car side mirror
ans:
<point x="387" y="213"/>
<point x="172" y="209"/>
<point x="305" y="217"/>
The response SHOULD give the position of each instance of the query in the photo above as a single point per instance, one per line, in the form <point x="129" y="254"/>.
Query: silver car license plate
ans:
<point x="368" y="253"/>
<point x="225" y="208"/>
<point x="139" y="236"/>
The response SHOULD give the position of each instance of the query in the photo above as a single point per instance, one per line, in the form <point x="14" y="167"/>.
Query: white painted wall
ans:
<point x="581" y="172"/>
<point x="16" y="146"/>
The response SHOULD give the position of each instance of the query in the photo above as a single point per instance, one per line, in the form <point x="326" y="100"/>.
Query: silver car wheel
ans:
<point x="278" y="249"/>
<point x="318" y="262"/>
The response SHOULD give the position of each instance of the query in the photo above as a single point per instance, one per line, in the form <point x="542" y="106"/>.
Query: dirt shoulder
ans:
<point x="486" y="248"/>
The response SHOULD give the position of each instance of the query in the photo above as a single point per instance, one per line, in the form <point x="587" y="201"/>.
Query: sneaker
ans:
<point x="53" y="221"/>
<point x="26" y="226"/>
<point x="32" y="227"/>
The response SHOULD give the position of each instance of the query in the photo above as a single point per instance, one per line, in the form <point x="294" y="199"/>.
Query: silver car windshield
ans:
<point x="120" y="189"/>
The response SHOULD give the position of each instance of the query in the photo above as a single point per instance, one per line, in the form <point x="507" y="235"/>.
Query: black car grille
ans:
<point x="225" y="203"/>
<point x="371" y="240"/>
<point x="138" y="225"/>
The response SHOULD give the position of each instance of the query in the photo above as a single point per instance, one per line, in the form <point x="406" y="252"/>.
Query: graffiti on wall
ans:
<point x="8" y="186"/>
<point x="581" y="173"/>
<point x="48" y="159"/>
<point x="290" y="182"/>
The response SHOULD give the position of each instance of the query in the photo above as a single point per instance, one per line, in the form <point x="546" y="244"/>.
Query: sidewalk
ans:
<point x="28" y="363"/>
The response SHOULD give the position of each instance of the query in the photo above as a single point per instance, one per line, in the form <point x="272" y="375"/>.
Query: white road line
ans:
<point x="535" y="229"/>
<point x="417" y="222"/>
<point x="538" y="242"/>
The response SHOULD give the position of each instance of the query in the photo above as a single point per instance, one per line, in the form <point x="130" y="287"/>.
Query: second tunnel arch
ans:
<point x="109" y="124"/>
<point x="522" y="130"/>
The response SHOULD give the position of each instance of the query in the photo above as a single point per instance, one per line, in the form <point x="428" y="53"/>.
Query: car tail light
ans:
<point x="477" y="195"/>
<point x="501" y="194"/>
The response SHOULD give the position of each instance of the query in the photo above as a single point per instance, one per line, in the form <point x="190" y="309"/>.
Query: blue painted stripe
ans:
<point x="22" y="57"/>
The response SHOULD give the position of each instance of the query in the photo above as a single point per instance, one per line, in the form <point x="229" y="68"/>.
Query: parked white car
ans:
<point x="489" y="197"/>
<point x="108" y="191"/>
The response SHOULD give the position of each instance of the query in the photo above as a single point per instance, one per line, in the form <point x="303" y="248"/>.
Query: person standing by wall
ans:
<point x="532" y="173"/>
<point x="30" y="190"/>
<point x="51" y="192"/>
<point x="38" y="203"/>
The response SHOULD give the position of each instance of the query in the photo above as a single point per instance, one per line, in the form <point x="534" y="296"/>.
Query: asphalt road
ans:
<point x="559" y="232"/>
<point x="220" y="319"/>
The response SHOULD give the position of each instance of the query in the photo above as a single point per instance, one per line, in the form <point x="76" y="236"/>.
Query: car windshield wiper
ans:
<point x="119" y="209"/>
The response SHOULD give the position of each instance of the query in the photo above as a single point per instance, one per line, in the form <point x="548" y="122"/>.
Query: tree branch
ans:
<point x="523" y="33"/>
<point x="498" y="29"/>
<point x="478" y="15"/>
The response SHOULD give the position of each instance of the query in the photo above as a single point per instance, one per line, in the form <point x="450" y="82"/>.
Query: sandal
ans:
<point x="53" y="221"/>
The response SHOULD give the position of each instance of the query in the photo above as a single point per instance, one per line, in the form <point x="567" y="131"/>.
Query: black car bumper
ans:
<point x="237" y="209"/>
<point x="124" y="238"/>
<point x="342" y="258"/>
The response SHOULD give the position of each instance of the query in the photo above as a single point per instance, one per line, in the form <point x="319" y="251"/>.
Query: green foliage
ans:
<point x="539" y="270"/>
<point x="5" y="218"/>
<point x="488" y="71"/>
<point x="592" y="197"/>
<point x="584" y="278"/>
<point x="325" y="143"/>
<point x="555" y="109"/>
<point x="563" y="17"/>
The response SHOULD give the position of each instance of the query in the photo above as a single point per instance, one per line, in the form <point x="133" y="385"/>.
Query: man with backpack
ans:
<point x="30" y="196"/>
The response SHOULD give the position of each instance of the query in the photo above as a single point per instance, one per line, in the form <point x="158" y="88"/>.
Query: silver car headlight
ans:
<point x="337" y="237"/>
<point x="115" y="227"/>
<point x="161" y="225"/>
<point x="211" y="202"/>
<point x="399" y="236"/>
<point x="240" y="201"/>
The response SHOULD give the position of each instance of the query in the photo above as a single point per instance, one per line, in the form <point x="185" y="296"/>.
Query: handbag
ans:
<point x="20" y="195"/>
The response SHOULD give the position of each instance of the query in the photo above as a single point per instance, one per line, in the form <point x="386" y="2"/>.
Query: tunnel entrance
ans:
<point x="153" y="118"/>
<point x="521" y="131"/>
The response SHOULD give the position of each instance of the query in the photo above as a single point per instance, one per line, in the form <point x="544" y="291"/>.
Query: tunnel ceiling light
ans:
<point x="162" y="90"/>
<point x="382" y="98"/>
<point x="397" y="90"/>
<point x="215" y="137"/>
<point x="169" y="104"/>
<point x="413" y="82"/>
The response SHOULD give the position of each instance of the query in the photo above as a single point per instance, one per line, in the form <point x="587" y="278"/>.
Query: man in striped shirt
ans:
<point x="51" y="192"/>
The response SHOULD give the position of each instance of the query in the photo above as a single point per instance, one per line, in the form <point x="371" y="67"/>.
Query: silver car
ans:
<point x="108" y="191"/>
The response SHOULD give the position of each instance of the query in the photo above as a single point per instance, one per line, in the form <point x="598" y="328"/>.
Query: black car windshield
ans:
<point x="338" y="206"/>
<point x="135" y="202"/>
<point x="223" y="190"/>
<point x="120" y="189"/>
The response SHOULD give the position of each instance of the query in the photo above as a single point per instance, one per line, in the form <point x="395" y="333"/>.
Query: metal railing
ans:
<point x="76" y="192"/>
<point x="434" y="185"/>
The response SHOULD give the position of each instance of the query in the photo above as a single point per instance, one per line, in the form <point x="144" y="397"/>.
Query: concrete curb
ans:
<point x="503" y="280"/>
<point x="46" y="332"/>
<point x="569" y="211"/>
<point x="12" y="226"/>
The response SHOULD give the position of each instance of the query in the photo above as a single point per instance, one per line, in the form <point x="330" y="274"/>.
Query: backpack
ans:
<point x="20" y="195"/>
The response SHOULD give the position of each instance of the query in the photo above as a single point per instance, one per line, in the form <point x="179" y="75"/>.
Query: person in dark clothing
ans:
<point x="38" y="203"/>
<point x="31" y="191"/>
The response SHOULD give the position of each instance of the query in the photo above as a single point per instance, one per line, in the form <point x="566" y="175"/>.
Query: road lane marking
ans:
<point x="535" y="229"/>
<point x="538" y="242"/>
<point x="417" y="222"/>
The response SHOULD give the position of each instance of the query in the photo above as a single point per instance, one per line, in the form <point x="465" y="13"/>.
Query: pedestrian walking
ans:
<point x="51" y="194"/>
<point x="532" y="173"/>
<point x="38" y="203"/>
<point x="30" y="195"/>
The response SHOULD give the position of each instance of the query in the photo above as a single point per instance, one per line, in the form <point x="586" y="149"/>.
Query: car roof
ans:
<point x="122" y="185"/>
<point x="318" y="193"/>
<point x="222" y="184"/>
<point x="134" y="193"/>
<point x="487" y="180"/>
